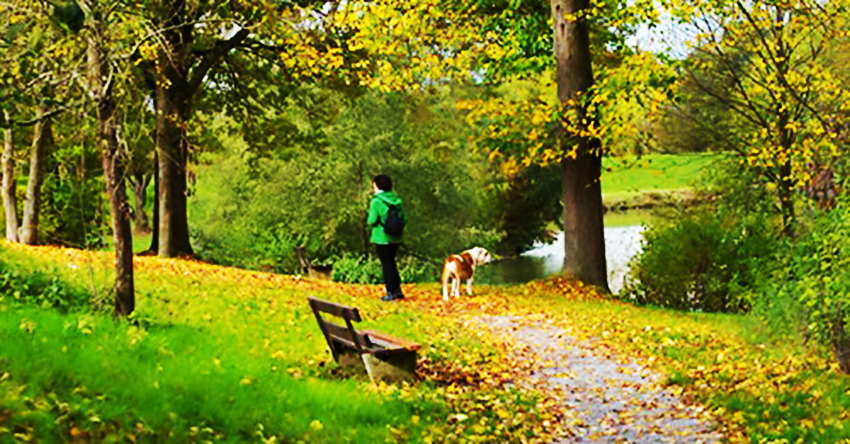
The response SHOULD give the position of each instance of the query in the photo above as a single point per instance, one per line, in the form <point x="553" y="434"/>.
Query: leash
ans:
<point x="406" y="250"/>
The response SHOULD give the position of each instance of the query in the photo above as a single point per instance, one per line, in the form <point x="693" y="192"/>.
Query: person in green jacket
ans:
<point x="386" y="244"/>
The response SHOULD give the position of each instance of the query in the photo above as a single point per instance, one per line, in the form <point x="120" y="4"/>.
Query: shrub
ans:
<point x="39" y="287"/>
<point x="709" y="258"/>
<point x="248" y="246"/>
<point x="367" y="270"/>
<point x="701" y="263"/>
<point x="812" y="290"/>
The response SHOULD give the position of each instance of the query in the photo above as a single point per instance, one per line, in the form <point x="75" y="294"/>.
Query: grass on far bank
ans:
<point x="626" y="180"/>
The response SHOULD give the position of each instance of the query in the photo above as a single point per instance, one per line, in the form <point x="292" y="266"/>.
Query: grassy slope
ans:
<point x="226" y="350"/>
<point x="658" y="173"/>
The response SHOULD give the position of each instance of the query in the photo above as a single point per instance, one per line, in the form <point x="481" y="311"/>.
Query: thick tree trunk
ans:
<point x="10" y="203"/>
<point x="584" y="240"/>
<point x="113" y="165"/>
<point x="42" y="140"/>
<point x="173" y="152"/>
<point x="173" y="104"/>
<point x="140" y="190"/>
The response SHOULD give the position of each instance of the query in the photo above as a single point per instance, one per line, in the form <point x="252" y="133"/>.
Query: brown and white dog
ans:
<point x="458" y="267"/>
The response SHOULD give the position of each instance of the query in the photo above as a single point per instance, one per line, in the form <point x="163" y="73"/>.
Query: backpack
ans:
<point x="394" y="223"/>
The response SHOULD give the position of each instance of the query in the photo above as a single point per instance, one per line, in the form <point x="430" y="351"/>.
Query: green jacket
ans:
<point x="378" y="213"/>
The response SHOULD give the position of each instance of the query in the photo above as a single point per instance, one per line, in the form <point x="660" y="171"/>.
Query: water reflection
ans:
<point x="621" y="244"/>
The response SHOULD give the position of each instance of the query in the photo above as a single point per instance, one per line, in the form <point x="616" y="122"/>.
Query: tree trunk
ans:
<point x="173" y="103"/>
<point x="584" y="241"/>
<point x="113" y="163"/>
<point x="41" y="142"/>
<point x="173" y="152"/>
<point x="786" y="200"/>
<point x="9" y="199"/>
<point x="841" y="343"/>
<point x="140" y="190"/>
<point x="786" y="135"/>
<point x="154" y="248"/>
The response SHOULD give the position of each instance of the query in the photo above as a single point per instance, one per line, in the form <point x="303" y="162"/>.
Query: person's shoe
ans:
<point x="398" y="297"/>
<point x="388" y="298"/>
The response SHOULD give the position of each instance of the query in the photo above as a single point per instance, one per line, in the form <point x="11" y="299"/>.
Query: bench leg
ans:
<point x="390" y="369"/>
<point x="349" y="359"/>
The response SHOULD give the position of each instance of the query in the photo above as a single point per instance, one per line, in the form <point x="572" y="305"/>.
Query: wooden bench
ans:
<point x="386" y="358"/>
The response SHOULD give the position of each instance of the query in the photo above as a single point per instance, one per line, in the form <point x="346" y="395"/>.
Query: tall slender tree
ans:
<point x="10" y="203"/>
<point x="102" y="80"/>
<point x="767" y="66"/>
<point x="41" y="143"/>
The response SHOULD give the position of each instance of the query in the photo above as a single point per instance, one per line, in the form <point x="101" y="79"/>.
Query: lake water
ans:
<point x="621" y="244"/>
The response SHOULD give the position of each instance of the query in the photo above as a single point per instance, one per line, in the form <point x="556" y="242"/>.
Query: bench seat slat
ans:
<point x="390" y="342"/>
<point x="335" y="309"/>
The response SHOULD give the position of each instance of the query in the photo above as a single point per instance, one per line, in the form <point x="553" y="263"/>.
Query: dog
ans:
<point x="459" y="267"/>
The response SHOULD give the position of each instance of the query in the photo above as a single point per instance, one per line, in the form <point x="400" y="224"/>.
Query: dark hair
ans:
<point x="383" y="182"/>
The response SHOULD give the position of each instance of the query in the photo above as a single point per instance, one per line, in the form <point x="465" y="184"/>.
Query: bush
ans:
<point x="709" y="258"/>
<point x="362" y="270"/>
<point x="42" y="288"/>
<point x="247" y="246"/>
<point x="812" y="290"/>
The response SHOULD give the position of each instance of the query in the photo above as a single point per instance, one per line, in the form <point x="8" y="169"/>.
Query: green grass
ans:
<point x="627" y="218"/>
<point x="216" y="350"/>
<point x="173" y="382"/>
<point x="625" y="178"/>
<point x="141" y="242"/>
<point x="222" y="353"/>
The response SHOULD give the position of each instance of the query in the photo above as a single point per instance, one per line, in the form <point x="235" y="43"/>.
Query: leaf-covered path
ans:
<point x="606" y="399"/>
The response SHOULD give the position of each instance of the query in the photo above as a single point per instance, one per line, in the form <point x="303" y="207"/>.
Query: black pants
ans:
<point x="386" y="253"/>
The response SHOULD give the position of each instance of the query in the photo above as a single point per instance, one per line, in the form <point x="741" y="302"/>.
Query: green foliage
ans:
<point x="248" y="244"/>
<point x="810" y="292"/>
<point x="70" y="16"/>
<point x="526" y="208"/>
<point x="73" y="203"/>
<point x="28" y="285"/>
<point x="253" y="207"/>
<point x="367" y="270"/>
<point x="709" y="258"/>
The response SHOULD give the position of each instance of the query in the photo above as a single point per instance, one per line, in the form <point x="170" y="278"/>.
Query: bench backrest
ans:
<point x="336" y="334"/>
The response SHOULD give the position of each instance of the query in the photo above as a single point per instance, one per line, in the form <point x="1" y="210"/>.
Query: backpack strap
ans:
<point x="389" y="205"/>
<point x="378" y="197"/>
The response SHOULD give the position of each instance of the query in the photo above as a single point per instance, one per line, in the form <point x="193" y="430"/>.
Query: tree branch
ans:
<point x="44" y="117"/>
<point x="220" y="50"/>
<point x="780" y="75"/>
